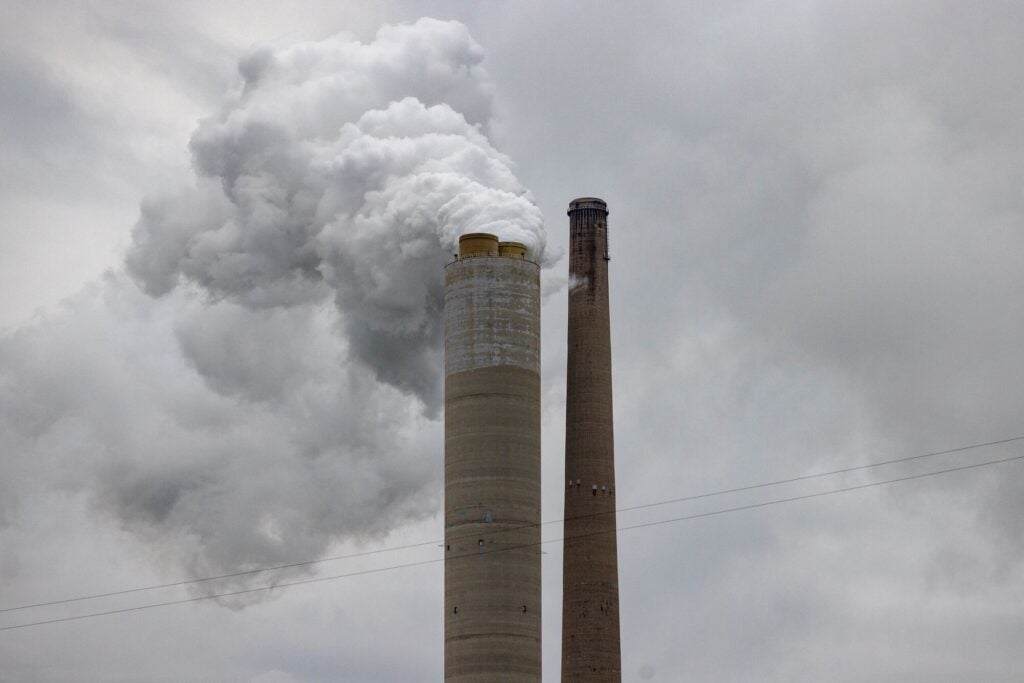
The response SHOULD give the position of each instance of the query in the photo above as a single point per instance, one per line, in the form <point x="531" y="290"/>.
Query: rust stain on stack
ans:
<point x="590" y="582"/>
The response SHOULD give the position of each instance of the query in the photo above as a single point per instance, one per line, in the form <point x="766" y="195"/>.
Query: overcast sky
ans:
<point x="223" y="226"/>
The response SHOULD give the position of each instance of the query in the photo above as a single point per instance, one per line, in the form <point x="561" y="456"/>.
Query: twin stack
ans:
<point x="492" y="462"/>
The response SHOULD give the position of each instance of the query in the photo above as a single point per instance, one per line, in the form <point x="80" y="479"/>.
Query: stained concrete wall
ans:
<point x="492" y="471"/>
<point x="590" y="582"/>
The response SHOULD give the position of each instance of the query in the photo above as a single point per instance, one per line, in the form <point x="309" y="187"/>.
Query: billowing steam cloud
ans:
<point x="347" y="169"/>
<point x="269" y="386"/>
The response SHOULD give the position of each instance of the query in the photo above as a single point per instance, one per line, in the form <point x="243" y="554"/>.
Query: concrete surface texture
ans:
<point x="590" y="583"/>
<point x="492" y="465"/>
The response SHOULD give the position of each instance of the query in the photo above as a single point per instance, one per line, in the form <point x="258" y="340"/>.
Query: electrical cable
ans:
<point x="410" y="546"/>
<point x="377" y="570"/>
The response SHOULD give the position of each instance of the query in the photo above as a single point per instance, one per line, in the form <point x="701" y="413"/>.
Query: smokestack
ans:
<point x="492" y="580"/>
<point x="590" y="575"/>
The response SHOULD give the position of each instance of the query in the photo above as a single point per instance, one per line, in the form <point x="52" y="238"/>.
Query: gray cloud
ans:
<point x="279" y="392"/>
<point x="229" y="437"/>
<point x="346" y="168"/>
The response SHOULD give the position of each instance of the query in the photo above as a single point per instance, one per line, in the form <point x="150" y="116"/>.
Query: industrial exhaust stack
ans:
<point x="492" y="580"/>
<point x="590" y="576"/>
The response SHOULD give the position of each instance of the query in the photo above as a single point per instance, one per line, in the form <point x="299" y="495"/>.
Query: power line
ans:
<point x="407" y="565"/>
<point x="818" y="475"/>
<point x="410" y="546"/>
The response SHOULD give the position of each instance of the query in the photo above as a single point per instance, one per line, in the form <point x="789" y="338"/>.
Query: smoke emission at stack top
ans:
<point x="272" y="389"/>
<point x="349" y="170"/>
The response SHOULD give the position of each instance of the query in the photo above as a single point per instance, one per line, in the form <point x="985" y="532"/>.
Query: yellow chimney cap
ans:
<point x="512" y="250"/>
<point x="478" y="244"/>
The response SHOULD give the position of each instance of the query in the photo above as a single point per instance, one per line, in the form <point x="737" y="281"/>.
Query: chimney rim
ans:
<point x="478" y="235"/>
<point x="581" y="203"/>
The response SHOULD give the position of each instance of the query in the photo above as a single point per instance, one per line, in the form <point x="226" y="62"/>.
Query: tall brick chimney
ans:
<point x="590" y="578"/>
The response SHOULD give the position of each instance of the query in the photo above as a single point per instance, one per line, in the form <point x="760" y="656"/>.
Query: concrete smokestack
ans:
<point x="590" y="578"/>
<point x="492" y="579"/>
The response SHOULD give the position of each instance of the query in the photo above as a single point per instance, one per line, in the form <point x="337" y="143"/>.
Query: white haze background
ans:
<point x="817" y="246"/>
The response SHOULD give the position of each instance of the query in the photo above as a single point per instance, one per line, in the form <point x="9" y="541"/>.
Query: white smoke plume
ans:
<point x="264" y="379"/>
<point x="345" y="169"/>
<point x="576" y="282"/>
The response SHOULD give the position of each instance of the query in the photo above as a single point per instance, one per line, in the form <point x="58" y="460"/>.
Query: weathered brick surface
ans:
<point x="590" y="584"/>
